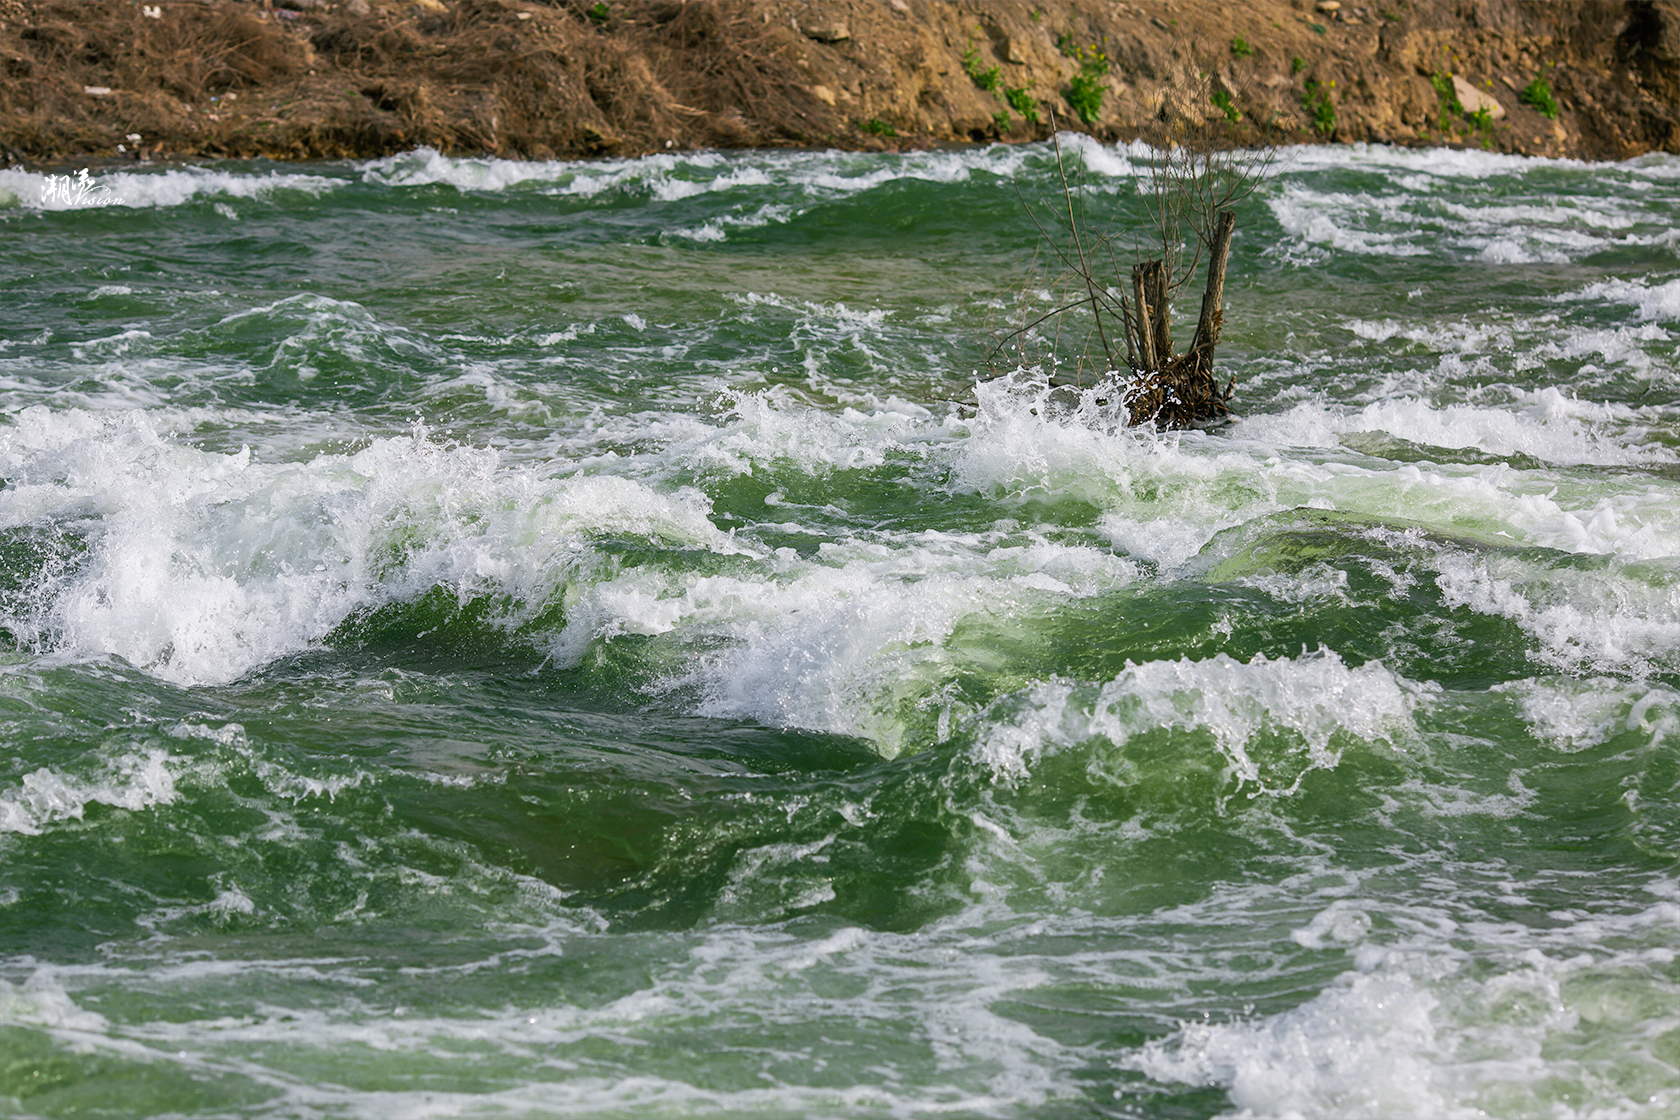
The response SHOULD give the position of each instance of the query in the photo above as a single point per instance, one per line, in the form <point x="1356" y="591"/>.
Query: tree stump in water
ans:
<point x="1176" y="391"/>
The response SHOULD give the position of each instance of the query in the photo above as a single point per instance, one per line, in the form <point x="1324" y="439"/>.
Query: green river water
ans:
<point x="484" y="639"/>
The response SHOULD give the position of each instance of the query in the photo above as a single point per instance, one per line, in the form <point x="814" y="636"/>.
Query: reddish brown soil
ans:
<point x="568" y="78"/>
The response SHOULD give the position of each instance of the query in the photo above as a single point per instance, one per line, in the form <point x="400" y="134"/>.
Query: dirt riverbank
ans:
<point x="112" y="79"/>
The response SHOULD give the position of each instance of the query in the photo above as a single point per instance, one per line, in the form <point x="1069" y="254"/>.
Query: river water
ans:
<point x="491" y="639"/>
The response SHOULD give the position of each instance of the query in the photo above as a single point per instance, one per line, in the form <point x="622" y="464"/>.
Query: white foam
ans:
<point x="1554" y="1021"/>
<point x="794" y="1026"/>
<point x="205" y="566"/>
<point x="1163" y="497"/>
<point x="1592" y="212"/>
<point x="667" y="177"/>
<point x="161" y="188"/>
<point x="425" y="166"/>
<point x="1581" y="621"/>
<point x="1660" y="301"/>
<point x="1334" y="221"/>
<point x="1451" y="163"/>
<point x="131" y="781"/>
<point x="1116" y="161"/>
<point x="1659" y="166"/>
<point x="840" y="642"/>
<point x="1573" y="715"/>
<point x="41" y="1001"/>
<point x="1162" y="494"/>
<point x="342" y="328"/>
<point x="1413" y="213"/>
<point x="1619" y="346"/>
<point x="208" y="565"/>
<point x="764" y="429"/>
<point x="1545" y="424"/>
<point x="1317" y="697"/>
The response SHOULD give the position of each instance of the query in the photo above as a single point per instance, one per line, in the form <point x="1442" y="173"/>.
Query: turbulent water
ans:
<point x="551" y="639"/>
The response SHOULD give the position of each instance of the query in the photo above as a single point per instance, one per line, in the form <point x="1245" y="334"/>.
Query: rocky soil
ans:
<point x="310" y="79"/>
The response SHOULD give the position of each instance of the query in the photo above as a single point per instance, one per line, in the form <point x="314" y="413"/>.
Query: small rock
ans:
<point x="1012" y="50"/>
<point x="823" y="94"/>
<point x="1329" y="5"/>
<point x="97" y="91"/>
<point x="357" y="7"/>
<point x="1159" y="22"/>
<point x="827" y="30"/>
<point x="1475" y="100"/>
<point x="900" y="6"/>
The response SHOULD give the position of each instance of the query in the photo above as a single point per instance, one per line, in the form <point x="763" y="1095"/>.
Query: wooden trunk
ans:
<point x="1177" y="391"/>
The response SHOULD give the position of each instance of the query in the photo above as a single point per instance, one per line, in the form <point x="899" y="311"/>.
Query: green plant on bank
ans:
<point x="1450" y="106"/>
<point x="1539" y="94"/>
<point x="1222" y="101"/>
<point x="600" y="12"/>
<point x="989" y="79"/>
<point x="1296" y="65"/>
<point x="1022" y="102"/>
<point x="1085" y="89"/>
<point x="1482" y="121"/>
<point x="878" y="127"/>
<point x="1240" y="47"/>
<point x="1320" y="107"/>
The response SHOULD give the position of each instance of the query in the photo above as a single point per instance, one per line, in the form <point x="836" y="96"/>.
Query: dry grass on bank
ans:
<point x="516" y="80"/>
<point x="571" y="78"/>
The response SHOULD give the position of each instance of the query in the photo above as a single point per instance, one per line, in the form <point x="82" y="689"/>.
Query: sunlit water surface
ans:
<point x="488" y="639"/>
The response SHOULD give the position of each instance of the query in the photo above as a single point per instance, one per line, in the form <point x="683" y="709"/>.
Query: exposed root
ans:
<point x="1184" y="395"/>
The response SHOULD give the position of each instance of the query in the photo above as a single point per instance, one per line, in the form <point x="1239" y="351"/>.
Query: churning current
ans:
<point x="489" y="639"/>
